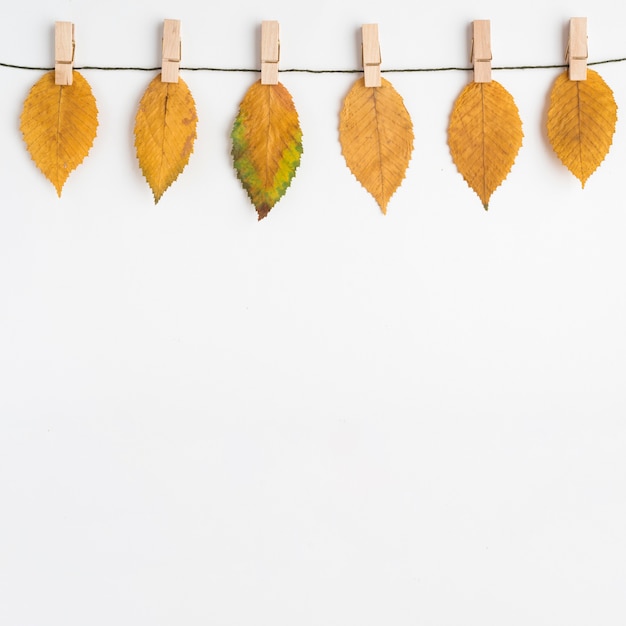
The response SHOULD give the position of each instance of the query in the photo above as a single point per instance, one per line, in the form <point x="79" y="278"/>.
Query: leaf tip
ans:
<point x="263" y="210"/>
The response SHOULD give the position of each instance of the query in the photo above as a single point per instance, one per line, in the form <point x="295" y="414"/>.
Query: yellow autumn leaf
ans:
<point x="484" y="136"/>
<point x="581" y="122"/>
<point x="165" y="131"/>
<point x="267" y="144"/>
<point x="59" y="124"/>
<point x="376" y="135"/>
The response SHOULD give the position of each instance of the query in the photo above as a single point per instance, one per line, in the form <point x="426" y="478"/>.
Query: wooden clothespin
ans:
<point x="63" y="52"/>
<point x="270" y="52"/>
<point x="481" y="50"/>
<point x="577" y="53"/>
<point x="371" y="55"/>
<point x="170" y="62"/>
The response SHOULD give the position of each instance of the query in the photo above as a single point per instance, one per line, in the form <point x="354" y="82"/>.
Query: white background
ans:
<point x="330" y="417"/>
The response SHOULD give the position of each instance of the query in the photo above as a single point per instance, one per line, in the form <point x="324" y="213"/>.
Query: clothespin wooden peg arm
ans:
<point x="481" y="50"/>
<point x="63" y="52"/>
<point x="371" y="55"/>
<point x="270" y="52"/>
<point x="170" y="62"/>
<point x="577" y="52"/>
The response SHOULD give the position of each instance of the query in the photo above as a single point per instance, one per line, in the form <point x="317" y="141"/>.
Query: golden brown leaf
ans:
<point x="581" y="122"/>
<point x="267" y="144"/>
<point x="59" y="124"/>
<point x="165" y="131"/>
<point x="376" y="135"/>
<point x="484" y="136"/>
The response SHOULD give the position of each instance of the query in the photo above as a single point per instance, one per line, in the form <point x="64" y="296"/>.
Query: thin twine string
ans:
<point x="306" y="70"/>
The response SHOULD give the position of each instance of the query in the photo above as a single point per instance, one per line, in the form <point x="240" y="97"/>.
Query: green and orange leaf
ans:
<point x="376" y="135"/>
<point x="484" y="136"/>
<point x="581" y="122"/>
<point x="165" y="131"/>
<point x="267" y="144"/>
<point x="59" y="124"/>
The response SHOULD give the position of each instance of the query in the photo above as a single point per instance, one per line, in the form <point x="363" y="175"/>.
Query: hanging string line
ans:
<point x="307" y="71"/>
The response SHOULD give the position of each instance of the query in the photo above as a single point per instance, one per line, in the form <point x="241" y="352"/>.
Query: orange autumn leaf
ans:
<point x="376" y="135"/>
<point x="267" y="144"/>
<point x="59" y="124"/>
<point x="165" y="131"/>
<point x="484" y="136"/>
<point x="581" y="122"/>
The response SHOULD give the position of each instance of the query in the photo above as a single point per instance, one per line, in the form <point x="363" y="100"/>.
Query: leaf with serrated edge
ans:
<point x="267" y="144"/>
<point x="484" y="136"/>
<point x="581" y="122"/>
<point x="59" y="124"/>
<point x="376" y="135"/>
<point x="165" y="131"/>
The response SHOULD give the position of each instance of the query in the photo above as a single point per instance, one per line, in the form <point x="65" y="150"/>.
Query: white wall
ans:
<point x="330" y="417"/>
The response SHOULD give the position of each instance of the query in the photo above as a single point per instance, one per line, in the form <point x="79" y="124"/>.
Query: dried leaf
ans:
<point x="267" y="144"/>
<point x="581" y="122"/>
<point x="484" y="136"/>
<point x="59" y="124"/>
<point x="165" y="131"/>
<point x="376" y="135"/>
